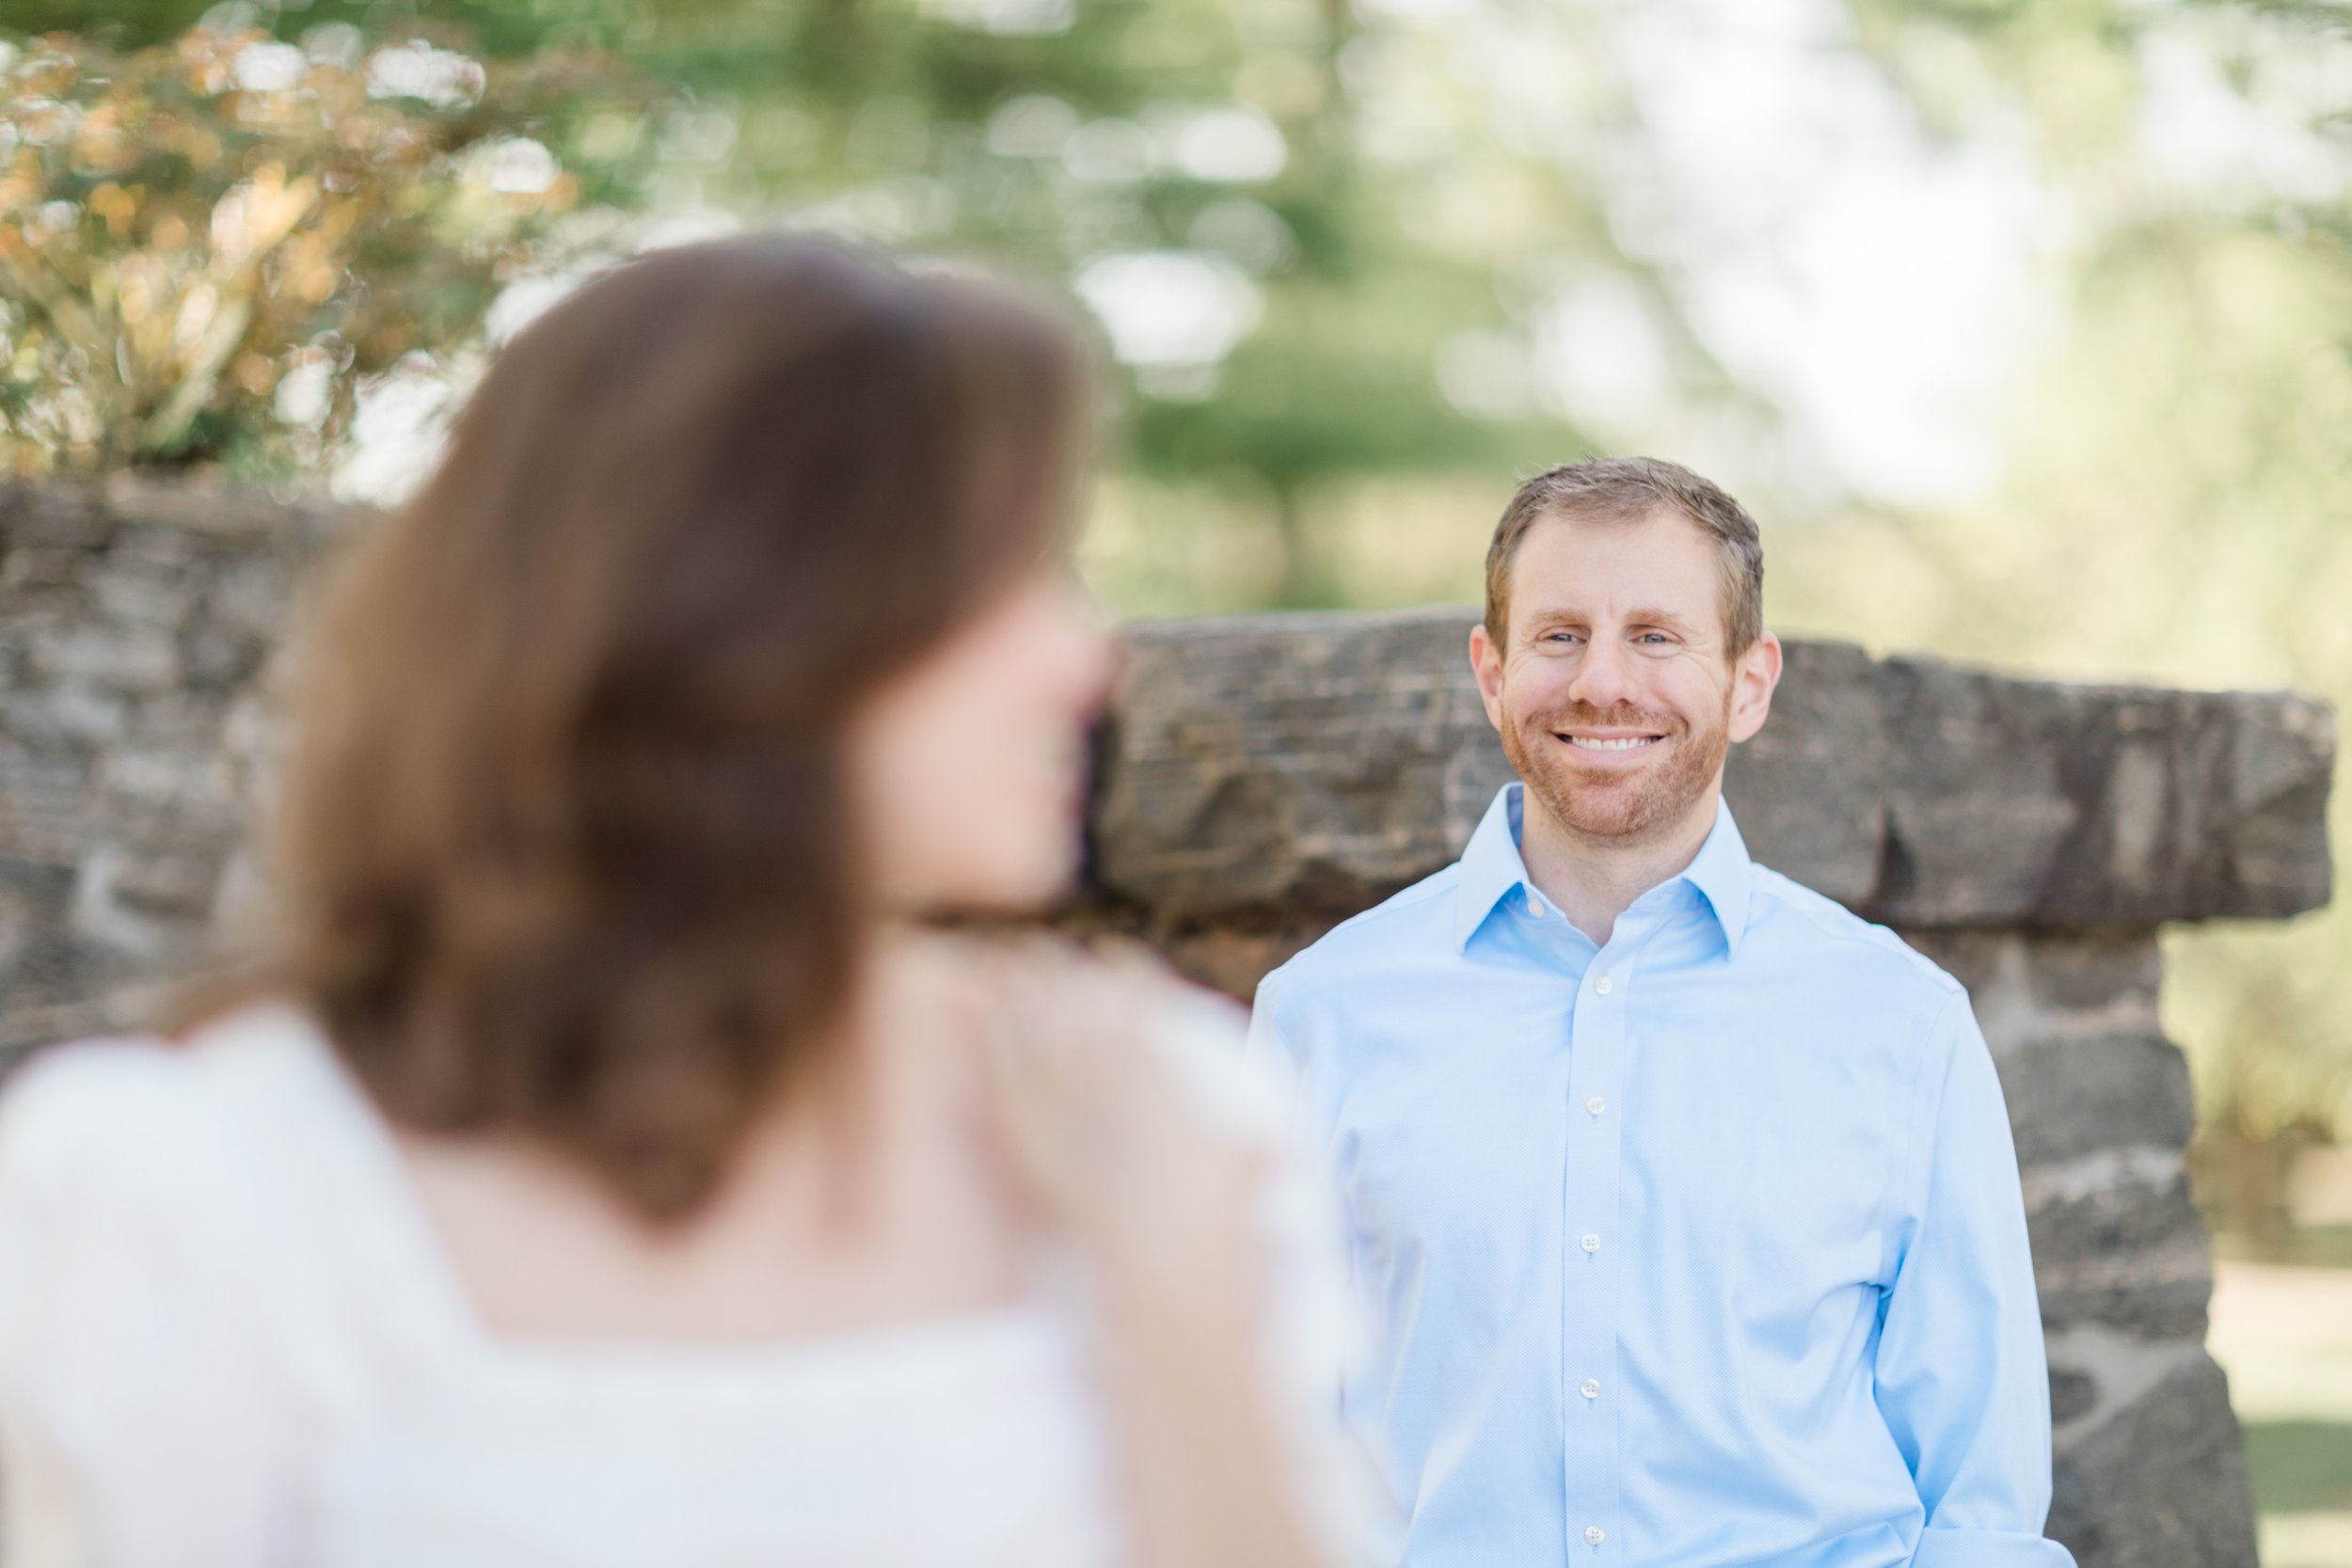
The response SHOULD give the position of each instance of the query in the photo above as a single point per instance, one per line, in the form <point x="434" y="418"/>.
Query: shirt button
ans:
<point x="1601" y="986"/>
<point x="1594" y="1534"/>
<point x="1592" y="1242"/>
<point x="1596" y="1105"/>
<point x="1592" y="1388"/>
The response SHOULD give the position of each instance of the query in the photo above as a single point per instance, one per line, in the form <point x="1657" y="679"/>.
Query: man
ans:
<point x="1683" y="1200"/>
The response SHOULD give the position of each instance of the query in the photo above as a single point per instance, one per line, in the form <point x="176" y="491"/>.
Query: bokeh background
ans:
<point x="2024" y="325"/>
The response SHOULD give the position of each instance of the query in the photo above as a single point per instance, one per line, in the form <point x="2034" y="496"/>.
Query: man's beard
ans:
<point x="1628" y="809"/>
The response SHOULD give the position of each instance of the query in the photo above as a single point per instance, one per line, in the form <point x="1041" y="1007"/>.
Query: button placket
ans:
<point x="1599" y="1047"/>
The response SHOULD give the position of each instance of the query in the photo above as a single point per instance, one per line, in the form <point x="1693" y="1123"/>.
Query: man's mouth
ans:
<point x="1610" y="742"/>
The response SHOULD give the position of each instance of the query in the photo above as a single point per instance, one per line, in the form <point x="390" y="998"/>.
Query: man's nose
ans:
<point x="1604" y="675"/>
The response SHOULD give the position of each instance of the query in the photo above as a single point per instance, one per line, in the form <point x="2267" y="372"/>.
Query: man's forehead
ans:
<point x="1659" y="529"/>
<point x="1567" y="565"/>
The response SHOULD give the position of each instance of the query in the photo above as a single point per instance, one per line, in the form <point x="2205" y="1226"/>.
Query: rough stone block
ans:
<point x="1810" y="789"/>
<point x="42" y="964"/>
<point x="239" y="515"/>
<point x="2150" y="1468"/>
<point x="2069" y="1098"/>
<point x="69" y="719"/>
<point x="44" y="801"/>
<point x="1291" y="761"/>
<point x="2049" y="975"/>
<point x="2117" y="1242"/>
<point x="2080" y="806"/>
<point x="134" y="659"/>
<point x="64" y="516"/>
<point x="1234" y="960"/>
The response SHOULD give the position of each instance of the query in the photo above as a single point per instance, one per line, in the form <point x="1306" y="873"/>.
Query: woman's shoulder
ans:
<point x="141" y="1110"/>
<point x="1205" y="1034"/>
<point x="96" y="1115"/>
<point x="164" y="1334"/>
<point x="221" y="1170"/>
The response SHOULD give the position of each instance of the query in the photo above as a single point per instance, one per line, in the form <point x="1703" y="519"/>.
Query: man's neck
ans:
<point x="1594" y="881"/>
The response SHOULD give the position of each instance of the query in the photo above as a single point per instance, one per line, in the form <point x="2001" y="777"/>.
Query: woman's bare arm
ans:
<point x="1207" y="1475"/>
<point x="1160" y="1204"/>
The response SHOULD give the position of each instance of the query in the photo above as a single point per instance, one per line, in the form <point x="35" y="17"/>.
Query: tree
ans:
<point x="205" y="244"/>
<point x="1207" y="175"/>
<point x="2176" y="501"/>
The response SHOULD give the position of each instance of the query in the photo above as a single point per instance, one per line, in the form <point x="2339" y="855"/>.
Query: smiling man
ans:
<point x="1683" y="1200"/>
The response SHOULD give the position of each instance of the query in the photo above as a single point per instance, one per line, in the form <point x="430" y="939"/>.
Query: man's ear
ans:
<point x="1486" y="664"/>
<point x="1754" y="675"/>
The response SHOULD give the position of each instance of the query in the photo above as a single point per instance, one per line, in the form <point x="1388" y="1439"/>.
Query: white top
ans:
<point x="229" y="1336"/>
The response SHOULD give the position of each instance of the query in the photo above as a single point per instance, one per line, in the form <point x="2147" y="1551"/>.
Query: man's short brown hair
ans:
<point x="1627" y="490"/>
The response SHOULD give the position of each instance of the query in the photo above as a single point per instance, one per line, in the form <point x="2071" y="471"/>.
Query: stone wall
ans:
<point x="1265" y="777"/>
<point x="135" y="625"/>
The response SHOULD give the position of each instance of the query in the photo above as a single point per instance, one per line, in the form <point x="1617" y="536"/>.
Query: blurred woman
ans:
<point x="620" y="1162"/>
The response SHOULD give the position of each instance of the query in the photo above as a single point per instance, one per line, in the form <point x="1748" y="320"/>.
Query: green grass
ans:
<point x="2300" y="1466"/>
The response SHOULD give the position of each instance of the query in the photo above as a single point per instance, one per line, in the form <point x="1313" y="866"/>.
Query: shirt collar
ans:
<point x="1492" y="868"/>
<point x="1720" y="872"/>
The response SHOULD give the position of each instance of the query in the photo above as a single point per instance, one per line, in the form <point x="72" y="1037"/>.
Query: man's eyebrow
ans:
<point x="1647" y="616"/>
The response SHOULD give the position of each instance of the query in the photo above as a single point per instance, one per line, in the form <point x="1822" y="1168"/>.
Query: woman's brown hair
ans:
<point x="566" y="850"/>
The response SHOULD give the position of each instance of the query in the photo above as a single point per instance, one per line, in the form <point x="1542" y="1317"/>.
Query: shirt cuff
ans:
<point x="1988" y="1548"/>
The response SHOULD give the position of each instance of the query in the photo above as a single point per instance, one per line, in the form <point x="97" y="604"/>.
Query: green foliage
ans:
<point x="1040" y="136"/>
<point x="205" y="245"/>
<point x="2177" y="505"/>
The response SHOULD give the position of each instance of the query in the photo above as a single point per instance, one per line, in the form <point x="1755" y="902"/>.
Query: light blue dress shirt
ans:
<point x="1698" y="1248"/>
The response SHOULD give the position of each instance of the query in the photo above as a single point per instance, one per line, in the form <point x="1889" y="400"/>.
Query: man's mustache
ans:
<point x="1584" y="716"/>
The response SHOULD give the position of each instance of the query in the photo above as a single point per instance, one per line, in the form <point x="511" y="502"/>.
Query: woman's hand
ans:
<point x="1094" y="1121"/>
<point x="1105" y="1136"/>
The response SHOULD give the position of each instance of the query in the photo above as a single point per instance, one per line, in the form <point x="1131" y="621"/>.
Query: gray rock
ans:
<point x="2078" y="805"/>
<point x="1809" y="790"/>
<point x="44" y="800"/>
<point x="2073" y="1098"/>
<point x="133" y="659"/>
<point x="2159" y="1483"/>
<point x="1292" y="762"/>
<point x="2117" y="1242"/>
<point x="65" y="516"/>
<point x="1234" y="960"/>
<point x="2049" y="971"/>
<point x="135" y="620"/>
<point x="42" y="964"/>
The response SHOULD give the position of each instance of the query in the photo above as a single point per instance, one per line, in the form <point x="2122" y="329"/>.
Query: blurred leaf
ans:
<point x="181" y="224"/>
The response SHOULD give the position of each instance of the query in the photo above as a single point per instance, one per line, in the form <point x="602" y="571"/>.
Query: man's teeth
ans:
<point x="1625" y="745"/>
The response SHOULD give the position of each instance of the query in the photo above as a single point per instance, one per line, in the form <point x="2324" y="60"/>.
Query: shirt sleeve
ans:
<point x="135" y="1396"/>
<point x="1279" y="1056"/>
<point x="1961" y="1379"/>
